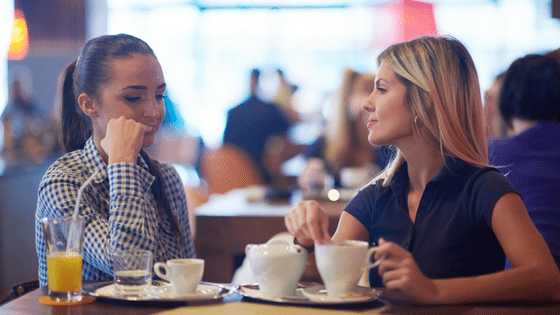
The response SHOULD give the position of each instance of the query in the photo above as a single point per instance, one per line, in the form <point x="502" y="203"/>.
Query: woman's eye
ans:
<point x="132" y="99"/>
<point x="381" y="90"/>
<point x="160" y="96"/>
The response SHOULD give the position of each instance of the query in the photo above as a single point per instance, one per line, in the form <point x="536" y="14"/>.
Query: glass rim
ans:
<point x="61" y="219"/>
<point x="122" y="252"/>
<point x="346" y="242"/>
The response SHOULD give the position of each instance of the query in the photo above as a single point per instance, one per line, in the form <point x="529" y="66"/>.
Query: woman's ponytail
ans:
<point x="75" y="127"/>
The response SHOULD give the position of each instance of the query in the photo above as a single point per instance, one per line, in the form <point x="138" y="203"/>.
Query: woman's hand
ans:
<point x="123" y="140"/>
<point x="401" y="275"/>
<point x="308" y="223"/>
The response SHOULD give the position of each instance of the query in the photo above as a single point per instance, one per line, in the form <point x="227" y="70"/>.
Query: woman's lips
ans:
<point x="371" y="123"/>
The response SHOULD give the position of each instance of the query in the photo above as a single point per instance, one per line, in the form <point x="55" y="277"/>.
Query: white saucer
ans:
<point x="255" y="293"/>
<point x="359" y="295"/>
<point x="162" y="291"/>
<point x="165" y="292"/>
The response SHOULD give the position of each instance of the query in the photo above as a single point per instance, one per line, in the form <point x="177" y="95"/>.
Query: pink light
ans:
<point x="402" y="20"/>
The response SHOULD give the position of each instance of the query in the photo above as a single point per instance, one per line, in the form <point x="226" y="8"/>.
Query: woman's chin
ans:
<point x="148" y="141"/>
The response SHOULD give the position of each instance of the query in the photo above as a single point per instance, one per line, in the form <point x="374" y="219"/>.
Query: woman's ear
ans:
<point x="88" y="105"/>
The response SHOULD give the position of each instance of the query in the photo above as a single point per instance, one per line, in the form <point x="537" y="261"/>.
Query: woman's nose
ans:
<point x="368" y="104"/>
<point x="152" y="108"/>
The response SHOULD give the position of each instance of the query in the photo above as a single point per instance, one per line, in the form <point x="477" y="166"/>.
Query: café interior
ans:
<point x="207" y="49"/>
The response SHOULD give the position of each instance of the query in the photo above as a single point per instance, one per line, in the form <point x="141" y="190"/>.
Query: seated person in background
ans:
<point x="261" y="130"/>
<point x="495" y="125"/>
<point x="111" y="102"/>
<point x="345" y="144"/>
<point x="27" y="131"/>
<point x="283" y="98"/>
<point x="444" y="220"/>
<point x="173" y="143"/>
<point x="530" y="157"/>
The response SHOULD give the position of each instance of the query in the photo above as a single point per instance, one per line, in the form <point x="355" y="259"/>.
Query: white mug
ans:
<point x="341" y="263"/>
<point x="184" y="274"/>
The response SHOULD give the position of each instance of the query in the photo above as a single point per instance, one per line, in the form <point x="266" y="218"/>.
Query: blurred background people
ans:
<point x="495" y="125"/>
<point x="29" y="136"/>
<point x="343" y="153"/>
<point x="174" y="143"/>
<point x="283" y="98"/>
<point x="260" y="129"/>
<point x="530" y="157"/>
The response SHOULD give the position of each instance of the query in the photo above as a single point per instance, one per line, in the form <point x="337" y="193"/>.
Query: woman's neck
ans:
<point x="423" y="165"/>
<point x="97" y="143"/>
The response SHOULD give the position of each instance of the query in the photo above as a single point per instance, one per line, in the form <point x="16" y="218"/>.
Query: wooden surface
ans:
<point x="227" y="223"/>
<point x="234" y="304"/>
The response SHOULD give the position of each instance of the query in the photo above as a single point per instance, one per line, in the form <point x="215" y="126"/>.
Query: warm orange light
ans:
<point x="19" y="46"/>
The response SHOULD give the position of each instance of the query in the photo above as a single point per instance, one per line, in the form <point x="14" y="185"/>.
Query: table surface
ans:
<point x="235" y="304"/>
<point x="235" y="203"/>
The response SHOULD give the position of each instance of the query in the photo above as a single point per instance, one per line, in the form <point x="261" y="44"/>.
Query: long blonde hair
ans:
<point x="444" y="96"/>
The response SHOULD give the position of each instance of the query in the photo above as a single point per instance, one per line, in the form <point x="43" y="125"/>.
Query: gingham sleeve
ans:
<point x="130" y="223"/>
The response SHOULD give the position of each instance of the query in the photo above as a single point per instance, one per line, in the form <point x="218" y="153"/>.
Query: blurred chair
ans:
<point x="227" y="168"/>
<point x="222" y="169"/>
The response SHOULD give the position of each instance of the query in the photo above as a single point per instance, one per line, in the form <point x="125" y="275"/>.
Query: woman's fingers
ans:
<point x="123" y="139"/>
<point x="308" y="222"/>
<point x="399" y="272"/>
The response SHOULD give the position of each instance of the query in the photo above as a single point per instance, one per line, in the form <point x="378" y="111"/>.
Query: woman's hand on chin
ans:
<point x="123" y="140"/>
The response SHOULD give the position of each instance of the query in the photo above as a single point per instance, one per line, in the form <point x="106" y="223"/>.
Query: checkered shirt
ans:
<point x="119" y="209"/>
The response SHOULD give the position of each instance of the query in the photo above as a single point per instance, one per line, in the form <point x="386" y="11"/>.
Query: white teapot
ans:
<point x="277" y="266"/>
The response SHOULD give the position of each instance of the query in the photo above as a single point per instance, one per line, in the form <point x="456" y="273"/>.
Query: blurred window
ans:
<point x="207" y="48"/>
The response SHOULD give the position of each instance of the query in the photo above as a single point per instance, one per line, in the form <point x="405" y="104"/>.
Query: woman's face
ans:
<point x="136" y="91"/>
<point x="390" y="121"/>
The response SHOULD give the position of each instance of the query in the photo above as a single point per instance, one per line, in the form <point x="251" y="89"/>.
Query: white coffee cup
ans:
<point x="341" y="263"/>
<point x="184" y="274"/>
<point x="277" y="266"/>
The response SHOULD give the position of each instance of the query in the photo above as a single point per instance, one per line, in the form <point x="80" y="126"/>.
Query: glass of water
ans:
<point x="132" y="272"/>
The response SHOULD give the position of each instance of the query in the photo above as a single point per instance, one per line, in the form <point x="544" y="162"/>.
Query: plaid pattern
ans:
<point x="119" y="208"/>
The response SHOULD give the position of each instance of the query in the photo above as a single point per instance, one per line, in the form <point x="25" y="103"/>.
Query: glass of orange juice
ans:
<point x="64" y="239"/>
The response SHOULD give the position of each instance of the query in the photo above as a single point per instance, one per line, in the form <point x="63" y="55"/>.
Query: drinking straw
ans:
<point x="80" y="191"/>
<point x="73" y="229"/>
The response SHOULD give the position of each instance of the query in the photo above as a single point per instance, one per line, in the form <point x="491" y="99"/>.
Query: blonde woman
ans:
<point x="444" y="220"/>
<point x="345" y="143"/>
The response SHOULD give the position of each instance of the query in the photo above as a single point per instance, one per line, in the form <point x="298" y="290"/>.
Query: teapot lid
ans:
<point x="276" y="248"/>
